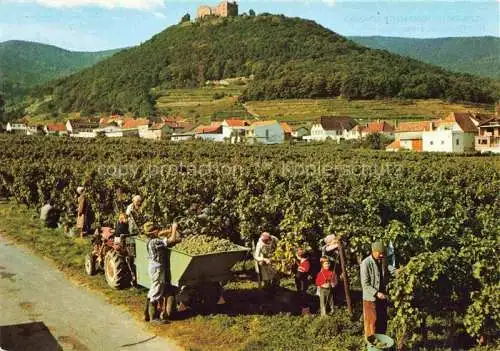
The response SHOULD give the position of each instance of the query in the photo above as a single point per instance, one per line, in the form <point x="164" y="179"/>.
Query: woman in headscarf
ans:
<point x="135" y="215"/>
<point x="264" y="251"/>
<point x="83" y="221"/>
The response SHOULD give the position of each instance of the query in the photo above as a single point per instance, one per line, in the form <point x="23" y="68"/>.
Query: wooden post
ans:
<point x="346" y="278"/>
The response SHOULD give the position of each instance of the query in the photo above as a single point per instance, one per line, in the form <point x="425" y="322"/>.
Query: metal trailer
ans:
<point x="195" y="280"/>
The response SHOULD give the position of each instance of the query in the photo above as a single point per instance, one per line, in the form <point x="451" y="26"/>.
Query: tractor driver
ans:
<point x="157" y="267"/>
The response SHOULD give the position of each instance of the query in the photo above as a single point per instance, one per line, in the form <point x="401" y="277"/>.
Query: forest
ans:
<point x="287" y="58"/>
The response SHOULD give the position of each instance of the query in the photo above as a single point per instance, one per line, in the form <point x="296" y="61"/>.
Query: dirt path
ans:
<point x="32" y="290"/>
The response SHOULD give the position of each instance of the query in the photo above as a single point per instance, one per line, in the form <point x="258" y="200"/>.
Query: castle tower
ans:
<point x="224" y="9"/>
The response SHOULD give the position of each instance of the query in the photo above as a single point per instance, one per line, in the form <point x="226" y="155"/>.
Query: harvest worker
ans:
<point x="49" y="215"/>
<point x="264" y="251"/>
<point x="157" y="268"/>
<point x="374" y="280"/>
<point x="302" y="279"/>
<point x="84" y="220"/>
<point x="135" y="215"/>
<point x="326" y="280"/>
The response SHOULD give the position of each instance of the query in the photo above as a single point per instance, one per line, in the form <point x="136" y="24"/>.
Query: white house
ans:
<point x="234" y="130"/>
<point x="334" y="128"/>
<point x="213" y="132"/>
<point x="265" y="132"/>
<point x="83" y="127"/>
<point x="455" y="133"/>
<point x="16" y="127"/>
<point x="300" y="132"/>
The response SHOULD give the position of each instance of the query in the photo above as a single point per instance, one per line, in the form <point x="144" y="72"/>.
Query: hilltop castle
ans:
<point x="224" y="9"/>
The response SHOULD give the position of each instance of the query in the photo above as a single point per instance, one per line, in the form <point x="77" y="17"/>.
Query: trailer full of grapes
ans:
<point x="195" y="279"/>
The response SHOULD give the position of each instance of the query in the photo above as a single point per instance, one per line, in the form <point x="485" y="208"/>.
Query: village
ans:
<point x="458" y="132"/>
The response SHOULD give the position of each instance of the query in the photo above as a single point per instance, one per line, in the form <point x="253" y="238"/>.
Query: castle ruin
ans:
<point x="224" y="9"/>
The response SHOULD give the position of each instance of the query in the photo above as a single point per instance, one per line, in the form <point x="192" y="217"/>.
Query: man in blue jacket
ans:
<point x="374" y="279"/>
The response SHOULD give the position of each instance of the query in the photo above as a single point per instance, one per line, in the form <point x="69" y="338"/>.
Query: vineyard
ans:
<point x="442" y="212"/>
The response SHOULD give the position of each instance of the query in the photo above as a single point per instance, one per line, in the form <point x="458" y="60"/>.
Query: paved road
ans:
<point x="32" y="290"/>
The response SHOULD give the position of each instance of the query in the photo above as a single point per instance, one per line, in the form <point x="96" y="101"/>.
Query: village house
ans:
<point x="265" y="132"/>
<point x="81" y="128"/>
<point x="234" y="130"/>
<point x="408" y="136"/>
<point x="455" y="133"/>
<point x="334" y="128"/>
<point x="300" y="132"/>
<point x="380" y="127"/>
<point x="212" y="132"/>
<point x="16" y="128"/>
<point x="55" y="129"/>
<point x="488" y="138"/>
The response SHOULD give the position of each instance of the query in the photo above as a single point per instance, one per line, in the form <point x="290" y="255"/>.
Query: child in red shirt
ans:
<point x="302" y="279"/>
<point x="326" y="280"/>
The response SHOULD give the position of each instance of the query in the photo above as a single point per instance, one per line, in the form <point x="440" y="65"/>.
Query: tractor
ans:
<point x="113" y="254"/>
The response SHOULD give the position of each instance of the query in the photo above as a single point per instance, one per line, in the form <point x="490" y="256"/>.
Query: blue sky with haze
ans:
<point x="105" y="24"/>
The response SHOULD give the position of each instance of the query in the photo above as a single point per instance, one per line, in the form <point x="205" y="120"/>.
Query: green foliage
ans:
<point x="251" y="12"/>
<point x="26" y="64"/>
<point x="186" y="18"/>
<point x="289" y="58"/>
<point x="204" y="244"/>
<point x="474" y="55"/>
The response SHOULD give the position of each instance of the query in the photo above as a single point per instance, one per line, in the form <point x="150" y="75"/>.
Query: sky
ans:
<point x="93" y="25"/>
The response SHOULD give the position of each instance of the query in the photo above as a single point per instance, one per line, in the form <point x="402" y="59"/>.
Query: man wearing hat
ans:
<point x="157" y="266"/>
<point x="264" y="251"/>
<point x="374" y="279"/>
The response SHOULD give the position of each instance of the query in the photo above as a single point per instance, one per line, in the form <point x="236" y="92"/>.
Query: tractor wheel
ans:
<point x="116" y="270"/>
<point x="90" y="264"/>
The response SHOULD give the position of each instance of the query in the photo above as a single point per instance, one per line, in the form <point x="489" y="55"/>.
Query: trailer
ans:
<point x="195" y="280"/>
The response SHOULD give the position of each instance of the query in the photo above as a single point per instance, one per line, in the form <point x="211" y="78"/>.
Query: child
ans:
<point x="325" y="281"/>
<point x="302" y="279"/>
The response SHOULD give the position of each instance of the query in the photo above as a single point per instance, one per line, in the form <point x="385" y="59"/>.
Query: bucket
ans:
<point x="389" y="343"/>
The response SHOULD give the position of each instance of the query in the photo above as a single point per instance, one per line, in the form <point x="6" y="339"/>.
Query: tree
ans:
<point x="186" y="18"/>
<point x="251" y="12"/>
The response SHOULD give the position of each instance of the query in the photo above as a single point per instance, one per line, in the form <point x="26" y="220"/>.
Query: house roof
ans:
<point x="83" y="124"/>
<point x="337" y="122"/>
<point x="263" y="123"/>
<point x="214" y="127"/>
<point x="130" y="123"/>
<point x="421" y="126"/>
<point x="492" y="122"/>
<point x="56" y="127"/>
<point x="234" y="122"/>
<point x="286" y="128"/>
<point x="395" y="145"/>
<point x="463" y="119"/>
<point x="378" y="127"/>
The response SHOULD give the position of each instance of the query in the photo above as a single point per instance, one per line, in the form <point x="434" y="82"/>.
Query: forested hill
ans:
<point x="474" y="55"/>
<point x="26" y="64"/>
<point x="289" y="58"/>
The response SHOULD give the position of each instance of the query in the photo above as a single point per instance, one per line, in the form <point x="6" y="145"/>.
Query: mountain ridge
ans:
<point x="478" y="55"/>
<point x="289" y="58"/>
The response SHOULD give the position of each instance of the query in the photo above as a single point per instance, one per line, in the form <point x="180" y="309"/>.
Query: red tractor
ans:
<point x="114" y="255"/>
